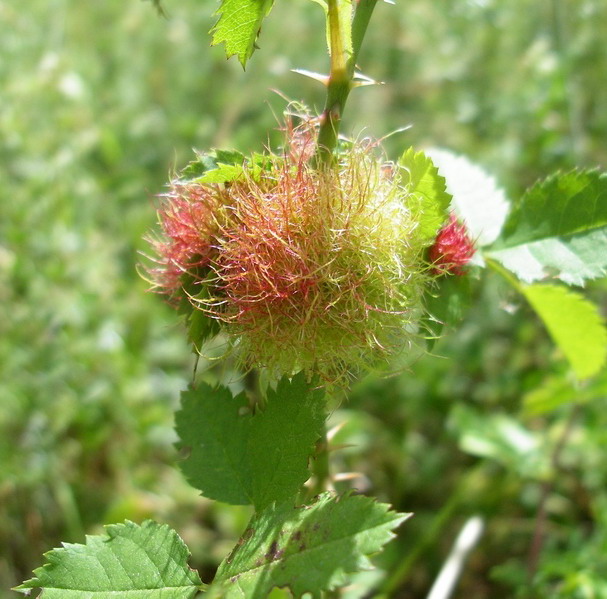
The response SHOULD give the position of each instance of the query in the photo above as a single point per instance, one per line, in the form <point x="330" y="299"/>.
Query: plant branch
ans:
<point x="343" y="58"/>
<point x="539" y="533"/>
<point x="400" y="574"/>
<point x="360" y="22"/>
<point x="320" y="465"/>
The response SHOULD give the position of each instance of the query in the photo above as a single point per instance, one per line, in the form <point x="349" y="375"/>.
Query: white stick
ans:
<point x="466" y="540"/>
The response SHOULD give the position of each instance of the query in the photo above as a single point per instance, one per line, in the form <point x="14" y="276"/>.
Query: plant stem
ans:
<point x="342" y="60"/>
<point x="399" y="575"/>
<point x="360" y="22"/>
<point x="320" y="466"/>
<point x="541" y="519"/>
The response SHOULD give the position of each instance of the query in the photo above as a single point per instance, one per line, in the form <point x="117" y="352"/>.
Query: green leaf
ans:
<point x="574" y="323"/>
<point x="224" y="173"/>
<point x="244" y="459"/>
<point x="477" y="199"/>
<point x="558" y="230"/>
<point x="498" y="437"/>
<point x="217" y="166"/>
<point x="559" y="390"/>
<point x="427" y="190"/>
<point x="307" y="548"/>
<point x="200" y="326"/>
<point x="446" y="304"/>
<point x="131" y="561"/>
<point x="238" y="26"/>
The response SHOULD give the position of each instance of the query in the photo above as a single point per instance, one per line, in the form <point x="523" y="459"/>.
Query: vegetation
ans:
<point x="101" y="101"/>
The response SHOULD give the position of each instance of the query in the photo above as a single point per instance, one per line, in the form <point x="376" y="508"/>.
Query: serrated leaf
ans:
<point x="428" y="192"/>
<point x="477" y="199"/>
<point x="558" y="230"/>
<point x="574" y="324"/>
<point x="307" y="548"/>
<point x="130" y="562"/>
<point x="224" y="173"/>
<point x="197" y="168"/>
<point x="247" y="459"/>
<point x="238" y="26"/>
<point x="204" y="168"/>
<point x="228" y="166"/>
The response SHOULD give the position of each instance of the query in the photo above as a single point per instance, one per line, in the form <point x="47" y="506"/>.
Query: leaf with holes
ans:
<point x="130" y="562"/>
<point x="307" y="548"/>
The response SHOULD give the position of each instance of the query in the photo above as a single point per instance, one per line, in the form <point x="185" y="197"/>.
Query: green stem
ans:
<point x="541" y="520"/>
<point x="397" y="578"/>
<point x="360" y="22"/>
<point x="504" y="273"/>
<point x="342" y="60"/>
<point x="320" y="466"/>
<point x="430" y="538"/>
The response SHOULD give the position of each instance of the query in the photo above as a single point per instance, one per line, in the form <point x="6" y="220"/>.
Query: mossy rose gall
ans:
<point x="453" y="248"/>
<point x="303" y="268"/>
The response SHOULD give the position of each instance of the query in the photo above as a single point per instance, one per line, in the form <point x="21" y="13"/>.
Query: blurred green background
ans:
<point x="100" y="101"/>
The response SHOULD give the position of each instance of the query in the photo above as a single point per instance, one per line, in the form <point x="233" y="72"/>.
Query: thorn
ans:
<point x="340" y="447"/>
<point x="343" y="476"/>
<point x="361" y="80"/>
<point x="334" y="430"/>
<point x="324" y="79"/>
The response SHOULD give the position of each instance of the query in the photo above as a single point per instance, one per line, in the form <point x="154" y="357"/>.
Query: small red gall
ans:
<point x="453" y="248"/>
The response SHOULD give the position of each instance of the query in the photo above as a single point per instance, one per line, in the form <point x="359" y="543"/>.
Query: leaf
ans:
<point x="558" y="230"/>
<point x="130" y="561"/>
<point x="250" y="459"/>
<point x="574" y="323"/>
<point x="224" y="173"/>
<point x="200" y="326"/>
<point x="204" y="168"/>
<point x="427" y="191"/>
<point x="477" y="199"/>
<point x="558" y="391"/>
<point x="307" y="548"/>
<point x="498" y="437"/>
<point x="446" y="304"/>
<point x="239" y="25"/>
